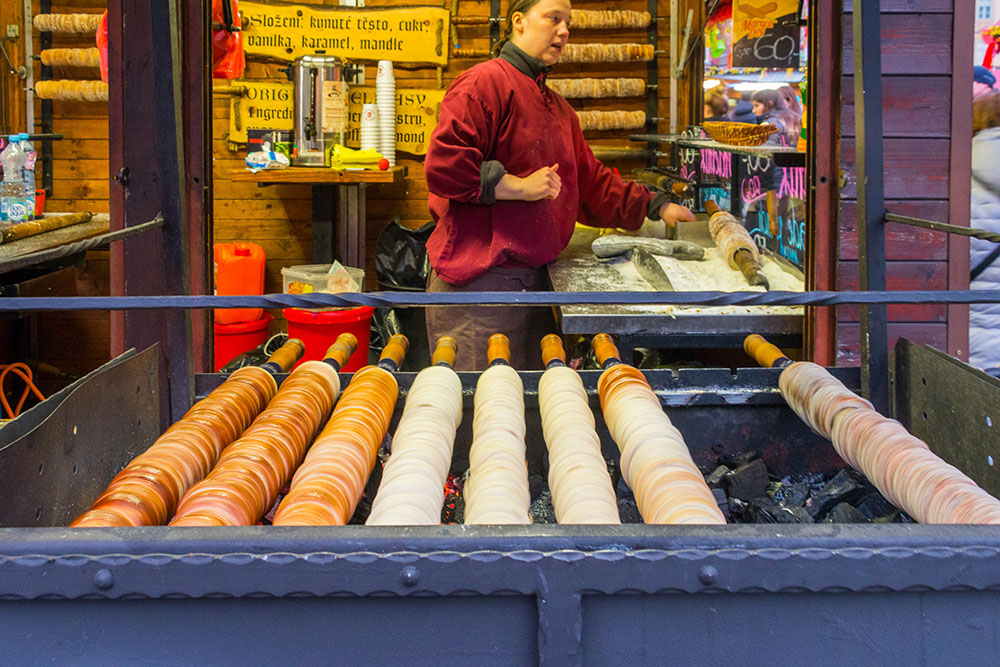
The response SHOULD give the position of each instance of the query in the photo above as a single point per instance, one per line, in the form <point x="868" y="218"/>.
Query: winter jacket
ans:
<point x="984" y="319"/>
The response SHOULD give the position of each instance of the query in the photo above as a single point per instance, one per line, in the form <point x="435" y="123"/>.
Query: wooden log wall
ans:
<point x="277" y="217"/>
<point x="924" y="148"/>
<point x="76" y="342"/>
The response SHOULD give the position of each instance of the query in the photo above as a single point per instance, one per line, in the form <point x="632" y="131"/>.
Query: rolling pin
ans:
<point x="23" y="230"/>
<point x="735" y="244"/>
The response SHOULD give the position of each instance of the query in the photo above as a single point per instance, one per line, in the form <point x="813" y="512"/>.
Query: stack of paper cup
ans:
<point x="385" y="97"/>
<point x="369" y="127"/>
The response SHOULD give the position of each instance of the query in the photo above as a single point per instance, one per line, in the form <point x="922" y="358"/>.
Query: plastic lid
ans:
<point x="13" y="137"/>
<point x="23" y="136"/>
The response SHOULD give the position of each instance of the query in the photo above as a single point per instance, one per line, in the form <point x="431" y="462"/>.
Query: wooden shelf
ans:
<point x="320" y="176"/>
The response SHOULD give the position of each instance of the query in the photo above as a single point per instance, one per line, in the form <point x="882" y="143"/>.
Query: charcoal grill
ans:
<point x="489" y="595"/>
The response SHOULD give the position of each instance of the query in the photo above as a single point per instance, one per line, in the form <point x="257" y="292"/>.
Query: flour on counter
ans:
<point x="712" y="274"/>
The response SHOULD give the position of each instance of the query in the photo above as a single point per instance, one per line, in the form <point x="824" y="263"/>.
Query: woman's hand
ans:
<point x="674" y="213"/>
<point x="542" y="184"/>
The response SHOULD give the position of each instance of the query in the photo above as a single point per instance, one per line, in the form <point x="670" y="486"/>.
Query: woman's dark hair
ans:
<point x="774" y="102"/>
<point x="717" y="104"/>
<point x="515" y="6"/>
<point x="791" y="99"/>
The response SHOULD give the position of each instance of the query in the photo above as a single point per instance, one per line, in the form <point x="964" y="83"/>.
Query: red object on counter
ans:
<point x="232" y="340"/>
<point x="319" y="330"/>
<point x="239" y="270"/>
<point x="39" y="202"/>
<point x="383" y="164"/>
<point x="228" y="61"/>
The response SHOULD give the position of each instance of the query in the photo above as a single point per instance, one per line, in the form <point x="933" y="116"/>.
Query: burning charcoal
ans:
<point x="541" y="509"/>
<point x="628" y="510"/>
<point x="748" y="481"/>
<point x="740" y="511"/>
<point x="723" y="501"/>
<point x="766" y="510"/>
<point x="714" y="479"/>
<point x="842" y="488"/>
<point x="535" y="486"/>
<point x="735" y="461"/>
<point x="792" y="495"/>
<point x="844" y="513"/>
<point x="877" y="509"/>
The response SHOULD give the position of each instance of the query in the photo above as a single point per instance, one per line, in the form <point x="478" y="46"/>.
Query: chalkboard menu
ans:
<point x="766" y="34"/>
<point x="773" y="201"/>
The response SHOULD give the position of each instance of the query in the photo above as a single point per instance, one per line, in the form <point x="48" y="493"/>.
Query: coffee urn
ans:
<point x="320" y="108"/>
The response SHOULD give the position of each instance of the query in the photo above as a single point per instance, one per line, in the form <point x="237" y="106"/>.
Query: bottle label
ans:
<point x="16" y="210"/>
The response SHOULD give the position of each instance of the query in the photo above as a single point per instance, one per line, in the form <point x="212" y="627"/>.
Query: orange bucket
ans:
<point x="319" y="330"/>
<point x="232" y="340"/>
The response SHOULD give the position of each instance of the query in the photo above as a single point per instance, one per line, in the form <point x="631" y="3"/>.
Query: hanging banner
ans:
<point x="405" y="34"/>
<point x="766" y="34"/>
<point x="268" y="106"/>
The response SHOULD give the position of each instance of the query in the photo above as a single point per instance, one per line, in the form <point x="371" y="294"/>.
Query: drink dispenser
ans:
<point x="320" y="107"/>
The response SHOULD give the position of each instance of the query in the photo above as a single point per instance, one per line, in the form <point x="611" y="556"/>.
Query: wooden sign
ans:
<point x="269" y="105"/>
<point x="405" y="34"/>
<point x="766" y="33"/>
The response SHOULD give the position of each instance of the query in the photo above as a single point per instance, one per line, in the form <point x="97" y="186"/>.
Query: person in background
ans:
<point x="716" y="107"/>
<point x="509" y="173"/>
<point x="770" y="108"/>
<point x="791" y="100"/>
<point x="984" y="319"/>
<point x="983" y="81"/>
<point x="742" y="109"/>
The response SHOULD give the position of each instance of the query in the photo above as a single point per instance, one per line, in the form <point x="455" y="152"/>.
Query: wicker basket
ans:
<point x="738" y="134"/>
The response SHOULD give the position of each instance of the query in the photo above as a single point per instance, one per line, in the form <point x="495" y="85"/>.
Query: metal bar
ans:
<point x="871" y="199"/>
<point x="674" y="28"/>
<point x="29" y="67"/>
<point x="78" y="247"/>
<point x="166" y="56"/>
<point x="652" y="80"/>
<point x="45" y="156"/>
<point x="944" y="227"/>
<point x="494" y="23"/>
<point x="323" y="206"/>
<point x="408" y="299"/>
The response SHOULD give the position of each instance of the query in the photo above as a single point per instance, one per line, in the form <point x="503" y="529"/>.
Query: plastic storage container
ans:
<point x="239" y="270"/>
<point x="319" y="329"/>
<point x="308" y="278"/>
<point x="232" y="340"/>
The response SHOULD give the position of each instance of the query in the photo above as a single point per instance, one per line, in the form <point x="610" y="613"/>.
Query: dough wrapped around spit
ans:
<point x="79" y="23"/>
<point x="607" y="53"/>
<point x="900" y="465"/>
<point x="584" y="19"/>
<point x="611" y="120"/>
<point x="328" y="485"/>
<point x="578" y="474"/>
<point x="147" y="491"/>
<point x="81" y="91"/>
<point x="596" y="88"/>
<point x="497" y="489"/>
<point x="730" y="236"/>
<point x="251" y="472"/>
<point x="412" y="489"/>
<point x="71" y="57"/>
<point x="655" y="461"/>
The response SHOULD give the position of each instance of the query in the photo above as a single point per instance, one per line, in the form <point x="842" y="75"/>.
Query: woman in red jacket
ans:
<point x="509" y="173"/>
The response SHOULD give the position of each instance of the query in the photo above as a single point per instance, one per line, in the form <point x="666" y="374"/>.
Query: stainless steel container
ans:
<point x="320" y="108"/>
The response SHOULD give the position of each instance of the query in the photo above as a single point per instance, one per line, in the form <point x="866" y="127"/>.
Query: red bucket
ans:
<point x="319" y="330"/>
<point x="232" y="340"/>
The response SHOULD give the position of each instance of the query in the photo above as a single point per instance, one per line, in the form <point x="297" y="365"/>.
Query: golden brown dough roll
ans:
<point x="71" y="57"/>
<point x="328" y="485"/>
<point x="611" y="120"/>
<point x="596" y="88"/>
<point x="84" y="91"/>
<point x="146" y="492"/>
<point x="245" y="482"/>
<point x="603" y="20"/>
<point x="607" y="53"/>
<point x="79" y="23"/>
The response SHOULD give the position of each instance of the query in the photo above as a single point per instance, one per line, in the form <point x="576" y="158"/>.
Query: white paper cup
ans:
<point x="384" y="71"/>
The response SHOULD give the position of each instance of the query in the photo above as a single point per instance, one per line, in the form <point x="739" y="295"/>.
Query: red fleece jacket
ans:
<point x="495" y="112"/>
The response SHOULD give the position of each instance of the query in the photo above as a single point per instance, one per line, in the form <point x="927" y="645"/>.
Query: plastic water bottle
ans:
<point x="12" y="202"/>
<point x="30" y="157"/>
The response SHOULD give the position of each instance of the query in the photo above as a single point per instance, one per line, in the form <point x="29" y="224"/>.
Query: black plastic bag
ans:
<point x="256" y="356"/>
<point x="401" y="256"/>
